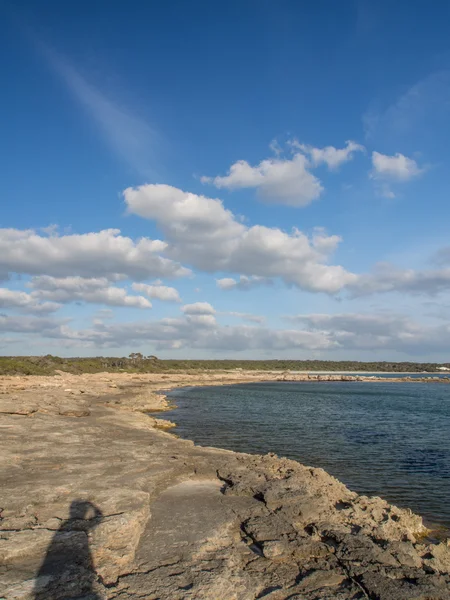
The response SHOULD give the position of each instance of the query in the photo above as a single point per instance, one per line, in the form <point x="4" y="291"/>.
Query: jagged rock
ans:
<point x="321" y="579"/>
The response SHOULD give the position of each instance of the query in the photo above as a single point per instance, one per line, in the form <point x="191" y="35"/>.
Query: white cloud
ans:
<point x="200" y="314"/>
<point x="201" y="320"/>
<point x="286" y="180"/>
<point x="331" y="156"/>
<point x="388" y="278"/>
<point x="198" y="308"/>
<point x="198" y="331"/>
<point x="352" y="331"/>
<point x="227" y="283"/>
<point x="202" y="233"/>
<point x="158" y="291"/>
<point x="25" y="302"/>
<point x="99" y="254"/>
<point x="281" y="181"/>
<point x="358" y="323"/>
<point x="395" y="168"/>
<point x="45" y="326"/>
<point x="346" y="332"/>
<point x="275" y="147"/>
<point x="243" y="283"/>
<point x="92" y="290"/>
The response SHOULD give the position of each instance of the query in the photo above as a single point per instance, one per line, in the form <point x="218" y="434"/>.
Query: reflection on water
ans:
<point x="387" y="439"/>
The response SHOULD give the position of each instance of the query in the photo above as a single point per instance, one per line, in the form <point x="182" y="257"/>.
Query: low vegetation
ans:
<point x="137" y="363"/>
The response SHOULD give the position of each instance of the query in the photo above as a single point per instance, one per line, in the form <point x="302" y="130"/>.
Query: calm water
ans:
<point x="385" y="439"/>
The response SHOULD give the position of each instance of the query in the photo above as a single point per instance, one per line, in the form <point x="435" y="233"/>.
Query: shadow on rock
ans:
<point x="67" y="570"/>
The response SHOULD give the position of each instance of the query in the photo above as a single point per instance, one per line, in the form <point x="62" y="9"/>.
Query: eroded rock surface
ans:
<point x="99" y="502"/>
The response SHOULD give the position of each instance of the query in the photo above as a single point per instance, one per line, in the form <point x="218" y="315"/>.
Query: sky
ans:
<point x="240" y="179"/>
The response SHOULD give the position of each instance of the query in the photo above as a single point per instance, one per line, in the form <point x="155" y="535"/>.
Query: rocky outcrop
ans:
<point x="97" y="502"/>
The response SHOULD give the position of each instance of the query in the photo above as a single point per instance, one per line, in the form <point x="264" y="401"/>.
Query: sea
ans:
<point x="388" y="439"/>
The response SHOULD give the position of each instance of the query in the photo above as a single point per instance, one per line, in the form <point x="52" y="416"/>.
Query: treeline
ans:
<point x="138" y="363"/>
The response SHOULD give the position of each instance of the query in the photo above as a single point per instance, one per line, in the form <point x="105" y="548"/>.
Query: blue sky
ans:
<point x="252" y="179"/>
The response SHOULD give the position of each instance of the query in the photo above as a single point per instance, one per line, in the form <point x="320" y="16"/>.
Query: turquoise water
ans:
<point x="385" y="439"/>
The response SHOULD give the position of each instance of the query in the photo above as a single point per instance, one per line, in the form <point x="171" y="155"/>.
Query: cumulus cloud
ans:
<point x="199" y="314"/>
<point x="199" y="330"/>
<point x="243" y="283"/>
<point x="387" y="170"/>
<point x="45" y="326"/>
<point x="331" y="156"/>
<point x="282" y="181"/>
<point x="358" y="323"/>
<point x="198" y="308"/>
<point x="81" y="289"/>
<point x="204" y="234"/>
<point x="286" y="180"/>
<point x="101" y="254"/>
<point x="376" y="331"/>
<point x="394" y="168"/>
<point x="205" y="309"/>
<point x="388" y="278"/>
<point x="25" y="302"/>
<point x="158" y="291"/>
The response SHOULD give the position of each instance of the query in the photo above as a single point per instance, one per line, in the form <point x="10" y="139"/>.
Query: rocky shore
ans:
<point x="99" y="501"/>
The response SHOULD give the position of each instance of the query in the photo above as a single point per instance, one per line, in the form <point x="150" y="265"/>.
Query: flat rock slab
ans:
<point x="184" y="516"/>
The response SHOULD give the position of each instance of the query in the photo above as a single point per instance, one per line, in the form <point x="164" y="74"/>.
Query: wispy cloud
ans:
<point x="131" y="138"/>
<point x="419" y="105"/>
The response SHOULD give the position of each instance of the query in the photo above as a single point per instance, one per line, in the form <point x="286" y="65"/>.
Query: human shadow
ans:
<point x="67" y="570"/>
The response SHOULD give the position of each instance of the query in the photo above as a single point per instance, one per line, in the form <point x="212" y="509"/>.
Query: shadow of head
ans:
<point x="83" y="515"/>
<point x="85" y="510"/>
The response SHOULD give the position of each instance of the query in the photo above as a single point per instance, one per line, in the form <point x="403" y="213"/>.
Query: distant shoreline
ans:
<point x="418" y="373"/>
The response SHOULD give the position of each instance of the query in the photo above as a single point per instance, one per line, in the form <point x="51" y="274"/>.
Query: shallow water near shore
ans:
<point x="384" y="439"/>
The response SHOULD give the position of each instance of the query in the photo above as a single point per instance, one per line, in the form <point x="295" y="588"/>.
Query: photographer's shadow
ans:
<point x="67" y="570"/>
